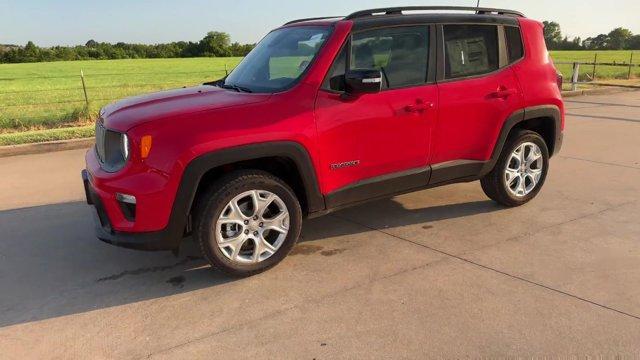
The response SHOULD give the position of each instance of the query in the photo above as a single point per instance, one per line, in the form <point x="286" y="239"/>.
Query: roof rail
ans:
<point x="314" y="18"/>
<point x="399" y="10"/>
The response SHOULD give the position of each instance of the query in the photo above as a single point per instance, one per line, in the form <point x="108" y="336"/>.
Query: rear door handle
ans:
<point x="503" y="93"/>
<point x="420" y="106"/>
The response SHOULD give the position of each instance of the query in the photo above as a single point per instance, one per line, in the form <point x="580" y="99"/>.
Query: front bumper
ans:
<point x="165" y="239"/>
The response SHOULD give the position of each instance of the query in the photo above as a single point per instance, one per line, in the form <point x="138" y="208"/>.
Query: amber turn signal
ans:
<point x="145" y="146"/>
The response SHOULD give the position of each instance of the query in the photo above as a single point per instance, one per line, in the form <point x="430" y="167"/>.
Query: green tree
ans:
<point x="634" y="43"/>
<point x="552" y="34"/>
<point x="215" y="44"/>
<point x="30" y="52"/>
<point x="618" y="38"/>
<point x="600" y="42"/>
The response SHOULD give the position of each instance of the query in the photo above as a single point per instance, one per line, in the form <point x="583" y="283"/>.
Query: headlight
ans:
<point x="112" y="148"/>
<point x="125" y="146"/>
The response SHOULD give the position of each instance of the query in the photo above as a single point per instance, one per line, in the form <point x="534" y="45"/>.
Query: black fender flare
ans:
<point x="542" y="111"/>
<point x="199" y="166"/>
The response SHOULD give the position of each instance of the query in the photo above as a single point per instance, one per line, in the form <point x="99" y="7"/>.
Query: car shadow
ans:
<point x="51" y="264"/>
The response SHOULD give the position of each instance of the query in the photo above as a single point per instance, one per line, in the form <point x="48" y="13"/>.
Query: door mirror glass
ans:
<point x="363" y="81"/>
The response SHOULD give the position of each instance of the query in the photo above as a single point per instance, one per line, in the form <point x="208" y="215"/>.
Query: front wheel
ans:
<point x="521" y="170"/>
<point x="247" y="223"/>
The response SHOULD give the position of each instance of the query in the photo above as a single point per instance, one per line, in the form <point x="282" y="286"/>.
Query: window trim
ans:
<point x="524" y="50"/>
<point x="431" y="74"/>
<point x="440" y="78"/>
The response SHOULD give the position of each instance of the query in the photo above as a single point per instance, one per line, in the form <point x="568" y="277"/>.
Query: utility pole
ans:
<point x="478" y="4"/>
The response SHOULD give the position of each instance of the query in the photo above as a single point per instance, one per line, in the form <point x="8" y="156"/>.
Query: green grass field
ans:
<point x="41" y="96"/>
<point x="602" y="72"/>
<point x="49" y="95"/>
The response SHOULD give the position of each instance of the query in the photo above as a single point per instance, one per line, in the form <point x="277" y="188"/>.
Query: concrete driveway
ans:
<point x="438" y="273"/>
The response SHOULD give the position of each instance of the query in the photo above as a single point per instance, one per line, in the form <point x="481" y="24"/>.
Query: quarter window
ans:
<point x="470" y="50"/>
<point x="400" y="53"/>
<point x="514" y="43"/>
<point x="335" y="78"/>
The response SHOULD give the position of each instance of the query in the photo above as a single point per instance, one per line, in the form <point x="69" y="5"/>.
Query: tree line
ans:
<point x="218" y="44"/>
<point x="214" y="44"/>
<point x="616" y="39"/>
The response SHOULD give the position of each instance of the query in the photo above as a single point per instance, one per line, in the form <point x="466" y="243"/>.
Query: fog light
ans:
<point x="127" y="205"/>
<point x="129" y="199"/>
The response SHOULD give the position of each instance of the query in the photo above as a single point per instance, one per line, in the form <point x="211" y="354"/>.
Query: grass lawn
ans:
<point x="28" y="137"/>
<point x="41" y="96"/>
<point x="49" y="95"/>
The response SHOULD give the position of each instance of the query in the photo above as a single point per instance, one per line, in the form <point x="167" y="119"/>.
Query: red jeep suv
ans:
<point x="326" y="113"/>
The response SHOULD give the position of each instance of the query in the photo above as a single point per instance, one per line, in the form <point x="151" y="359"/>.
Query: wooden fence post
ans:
<point x="84" y="88"/>
<point x="574" y="76"/>
<point x="595" y="61"/>
<point x="630" y="66"/>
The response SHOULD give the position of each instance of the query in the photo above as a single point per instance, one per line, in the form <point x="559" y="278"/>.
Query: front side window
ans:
<point x="470" y="50"/>
<point x="279" y="60"/>
<point x="400" y="53"/>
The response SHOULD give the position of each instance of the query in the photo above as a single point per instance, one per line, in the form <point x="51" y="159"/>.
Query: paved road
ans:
<point x="439" y="273"/>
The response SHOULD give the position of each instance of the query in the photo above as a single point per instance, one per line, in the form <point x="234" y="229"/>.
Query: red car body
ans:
<point x="451" y="126"/>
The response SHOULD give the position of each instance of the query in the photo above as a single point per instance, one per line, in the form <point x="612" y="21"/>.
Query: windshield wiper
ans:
<point x="237" y="88"/>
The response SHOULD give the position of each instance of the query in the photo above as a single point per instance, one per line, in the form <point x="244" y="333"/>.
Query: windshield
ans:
<point x="279" y="60"/>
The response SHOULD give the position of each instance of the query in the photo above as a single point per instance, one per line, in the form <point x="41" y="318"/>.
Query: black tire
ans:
<point x="215" y="200"/>
<point x="494" y="183"/>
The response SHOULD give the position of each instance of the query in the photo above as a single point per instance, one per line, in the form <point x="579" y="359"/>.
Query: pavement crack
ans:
<point x="603" y="117"/>
<point x="504" y="273"/>
<point x="151" y="269"/>
<point x="543" y="228"/>
<point x="600" y="162"/>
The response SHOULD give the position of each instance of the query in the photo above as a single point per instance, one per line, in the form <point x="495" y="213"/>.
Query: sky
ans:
<point x="73" y="22"/>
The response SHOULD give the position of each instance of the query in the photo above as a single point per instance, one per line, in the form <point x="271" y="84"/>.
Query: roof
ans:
<point x="427" y="14"/>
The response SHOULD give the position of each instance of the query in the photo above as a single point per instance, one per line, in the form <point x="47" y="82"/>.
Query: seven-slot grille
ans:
<point x="100" y="141"/>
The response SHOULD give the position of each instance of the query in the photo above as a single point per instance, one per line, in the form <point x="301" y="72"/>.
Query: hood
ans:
<point x="127" y="113"/>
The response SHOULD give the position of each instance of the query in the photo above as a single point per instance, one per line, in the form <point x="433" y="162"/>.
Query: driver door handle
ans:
<point x="419" y="107"/>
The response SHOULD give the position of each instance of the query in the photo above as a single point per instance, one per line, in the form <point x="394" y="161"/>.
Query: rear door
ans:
<point x="478" y="91"/>
<point x="374" y="135"/>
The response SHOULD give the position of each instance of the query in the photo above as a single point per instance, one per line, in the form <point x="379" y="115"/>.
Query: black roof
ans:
<point x="400" y="10"/>
<point x="442" y="14"/>
<point x="390" y="20"/>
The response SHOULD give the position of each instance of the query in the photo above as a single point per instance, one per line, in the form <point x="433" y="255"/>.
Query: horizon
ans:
<point x="108" y="23"/>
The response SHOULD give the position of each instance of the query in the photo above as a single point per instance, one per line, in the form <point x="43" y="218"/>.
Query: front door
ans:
<point x="373" y="137"/>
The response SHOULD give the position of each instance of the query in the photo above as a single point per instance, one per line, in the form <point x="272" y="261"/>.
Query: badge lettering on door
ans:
<point x="345" y="164"/>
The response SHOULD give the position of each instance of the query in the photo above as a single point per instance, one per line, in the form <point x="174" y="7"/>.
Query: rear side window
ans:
<point x="470" y="50"/>
<point x="514" y="43"/>
<point x="401" y="53"/>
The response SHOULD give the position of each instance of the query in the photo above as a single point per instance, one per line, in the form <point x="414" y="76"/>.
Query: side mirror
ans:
<point x="363" y="81"/>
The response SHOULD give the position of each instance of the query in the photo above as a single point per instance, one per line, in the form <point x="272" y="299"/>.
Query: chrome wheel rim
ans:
<point x="524" y="169"/>
<point x="252" y="227"/>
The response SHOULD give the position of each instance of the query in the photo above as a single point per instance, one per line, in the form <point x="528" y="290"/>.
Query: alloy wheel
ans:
<point x="252" y="226"/>
<point x="524" y="169"/>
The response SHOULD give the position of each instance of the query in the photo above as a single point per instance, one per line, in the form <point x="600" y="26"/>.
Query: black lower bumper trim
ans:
<point x="150" y="241"/>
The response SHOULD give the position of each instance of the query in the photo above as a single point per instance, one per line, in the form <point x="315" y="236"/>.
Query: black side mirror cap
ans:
<point x="363" y="81"/>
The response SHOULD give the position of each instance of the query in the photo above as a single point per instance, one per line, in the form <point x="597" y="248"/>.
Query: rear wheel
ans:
<point x="521" y="170"/>
<point x="247" y="223"/>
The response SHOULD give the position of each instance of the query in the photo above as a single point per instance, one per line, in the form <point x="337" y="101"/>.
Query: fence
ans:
<point x="592" y="75"/>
